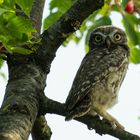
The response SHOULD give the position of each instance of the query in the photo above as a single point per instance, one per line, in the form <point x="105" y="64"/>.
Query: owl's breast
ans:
<point x="105" y="92"/>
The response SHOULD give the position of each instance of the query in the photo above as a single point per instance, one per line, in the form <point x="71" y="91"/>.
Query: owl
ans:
<point x="100" y="75"/>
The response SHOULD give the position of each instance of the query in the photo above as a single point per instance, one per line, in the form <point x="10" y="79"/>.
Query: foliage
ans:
<point x="130" y="21"/>
<point x="16" y="30"/>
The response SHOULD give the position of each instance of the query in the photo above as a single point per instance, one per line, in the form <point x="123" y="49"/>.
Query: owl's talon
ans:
<point x="118" y="125"/>
<point x="113" y="124"/>
<point x="106" y="122"/>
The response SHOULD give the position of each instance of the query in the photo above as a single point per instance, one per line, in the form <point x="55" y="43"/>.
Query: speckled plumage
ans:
<point x="101" y="73"/>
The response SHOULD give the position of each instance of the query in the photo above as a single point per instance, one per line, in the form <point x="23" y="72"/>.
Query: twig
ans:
<point x="101" y="127"/>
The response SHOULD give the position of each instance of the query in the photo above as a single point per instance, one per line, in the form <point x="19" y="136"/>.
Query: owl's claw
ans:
<point x="109" y="118"/>
<point x="117" y="124"/>
<point x="114" y="124"/>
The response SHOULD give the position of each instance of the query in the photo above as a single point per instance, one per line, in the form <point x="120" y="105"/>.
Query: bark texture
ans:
<point x="101" y="127"/>
<point x="36" y="14"/>
<point x="41" y="130"/>
<point x="27" y="74"/>
<point x="20" y="106"/>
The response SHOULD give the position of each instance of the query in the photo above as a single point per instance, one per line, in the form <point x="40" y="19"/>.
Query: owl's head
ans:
<point x="107" y="36"/>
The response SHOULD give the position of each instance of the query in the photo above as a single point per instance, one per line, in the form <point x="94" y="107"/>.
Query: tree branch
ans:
<point x="27" y="74"/>
<point x="36" y="13"/>
<point x="55" y="35"/>
<point x="100" y="126"/>
<point x="41" y="130"/>
<point x="20" y="106"/>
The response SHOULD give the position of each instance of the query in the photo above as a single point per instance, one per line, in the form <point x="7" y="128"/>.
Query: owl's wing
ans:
<point x="95" y="66"/>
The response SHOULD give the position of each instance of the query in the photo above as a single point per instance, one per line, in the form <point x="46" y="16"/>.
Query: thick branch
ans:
<point x="36" y="13"/>
<point x="21" y="101"/>
<point x="65" y="26"/>
<point x="101" y="127"/>
<point x="26" y="78"/>
<point x="41" y="130"/>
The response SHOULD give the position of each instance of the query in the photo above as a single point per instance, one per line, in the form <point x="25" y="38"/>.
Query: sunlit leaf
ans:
<point x="14" y="29"/>
<point x="135" y="55"/>
<point x="3" y="75"/>
<point x="20" y="24"/>
<point x="4" y="10"/>
<point x="1" y="1"/>
<point x="124" y="2"/>
<point x="137" y="3"/>
<point x="8" y="4"/>
<point x="86" y="48"/>
<point x="130" y="27"/>
<point x="51" y="19"/>
<point x="57" y="8"/>
<point x="1" y="63"/>
<point x="105" y="9"/>
<point x="115" y="8"/>
<point x="25" y="5"/>
<point x="62" y="5"/>
<point x="20" y="50"/>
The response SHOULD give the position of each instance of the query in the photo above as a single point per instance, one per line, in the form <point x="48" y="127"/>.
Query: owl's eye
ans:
<point x="117" y="36"/>
<point x="98" y="38"/>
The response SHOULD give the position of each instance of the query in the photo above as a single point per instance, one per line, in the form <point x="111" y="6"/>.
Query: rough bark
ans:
<point x="27" y="74"/>
<point x="66" y="25"/>
<point x="36" y="14"/>
<point x="41" y="130"/>
<point x="100" y="126"/>
<point x="20" y="106"/>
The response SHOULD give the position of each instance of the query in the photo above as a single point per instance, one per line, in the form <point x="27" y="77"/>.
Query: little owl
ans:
<point x="99" y="78"/>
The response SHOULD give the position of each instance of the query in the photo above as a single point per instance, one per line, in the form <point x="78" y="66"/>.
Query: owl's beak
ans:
<point x="108" y="42"/>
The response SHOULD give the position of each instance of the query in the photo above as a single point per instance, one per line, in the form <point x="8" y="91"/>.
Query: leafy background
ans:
<point x="130" y="22"/>
<point x="17" y="30"/>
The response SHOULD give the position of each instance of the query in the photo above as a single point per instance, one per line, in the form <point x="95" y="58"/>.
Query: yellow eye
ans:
<point x="98" y="38"/>
<point x="117" y="36"/>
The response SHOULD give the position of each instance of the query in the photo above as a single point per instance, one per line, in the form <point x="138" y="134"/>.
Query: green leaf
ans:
<point x="86" y="48"/>
<point x="20" y="50"/>
<point x="51" y="19"/>
<point x="62" y="5"/>
<point x="131" y="28"/>
<point x="16" y="41"/>
<point x="1" y="1"/>
<point x="25" y="5"/>
<point x="137" y="4"/>
<point x="135" y="55"/>
<point x="20" y="24"/>
<point x="115" y="8"/>
<point x="3" y="75"/>
<point x="15" y="30"/>
<point x="2" y="10"/>
<point x="124" y="2"/>
<point x="1" y="63"/>
<point x="8" y="4"/>
<point x="104" y="10"/>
